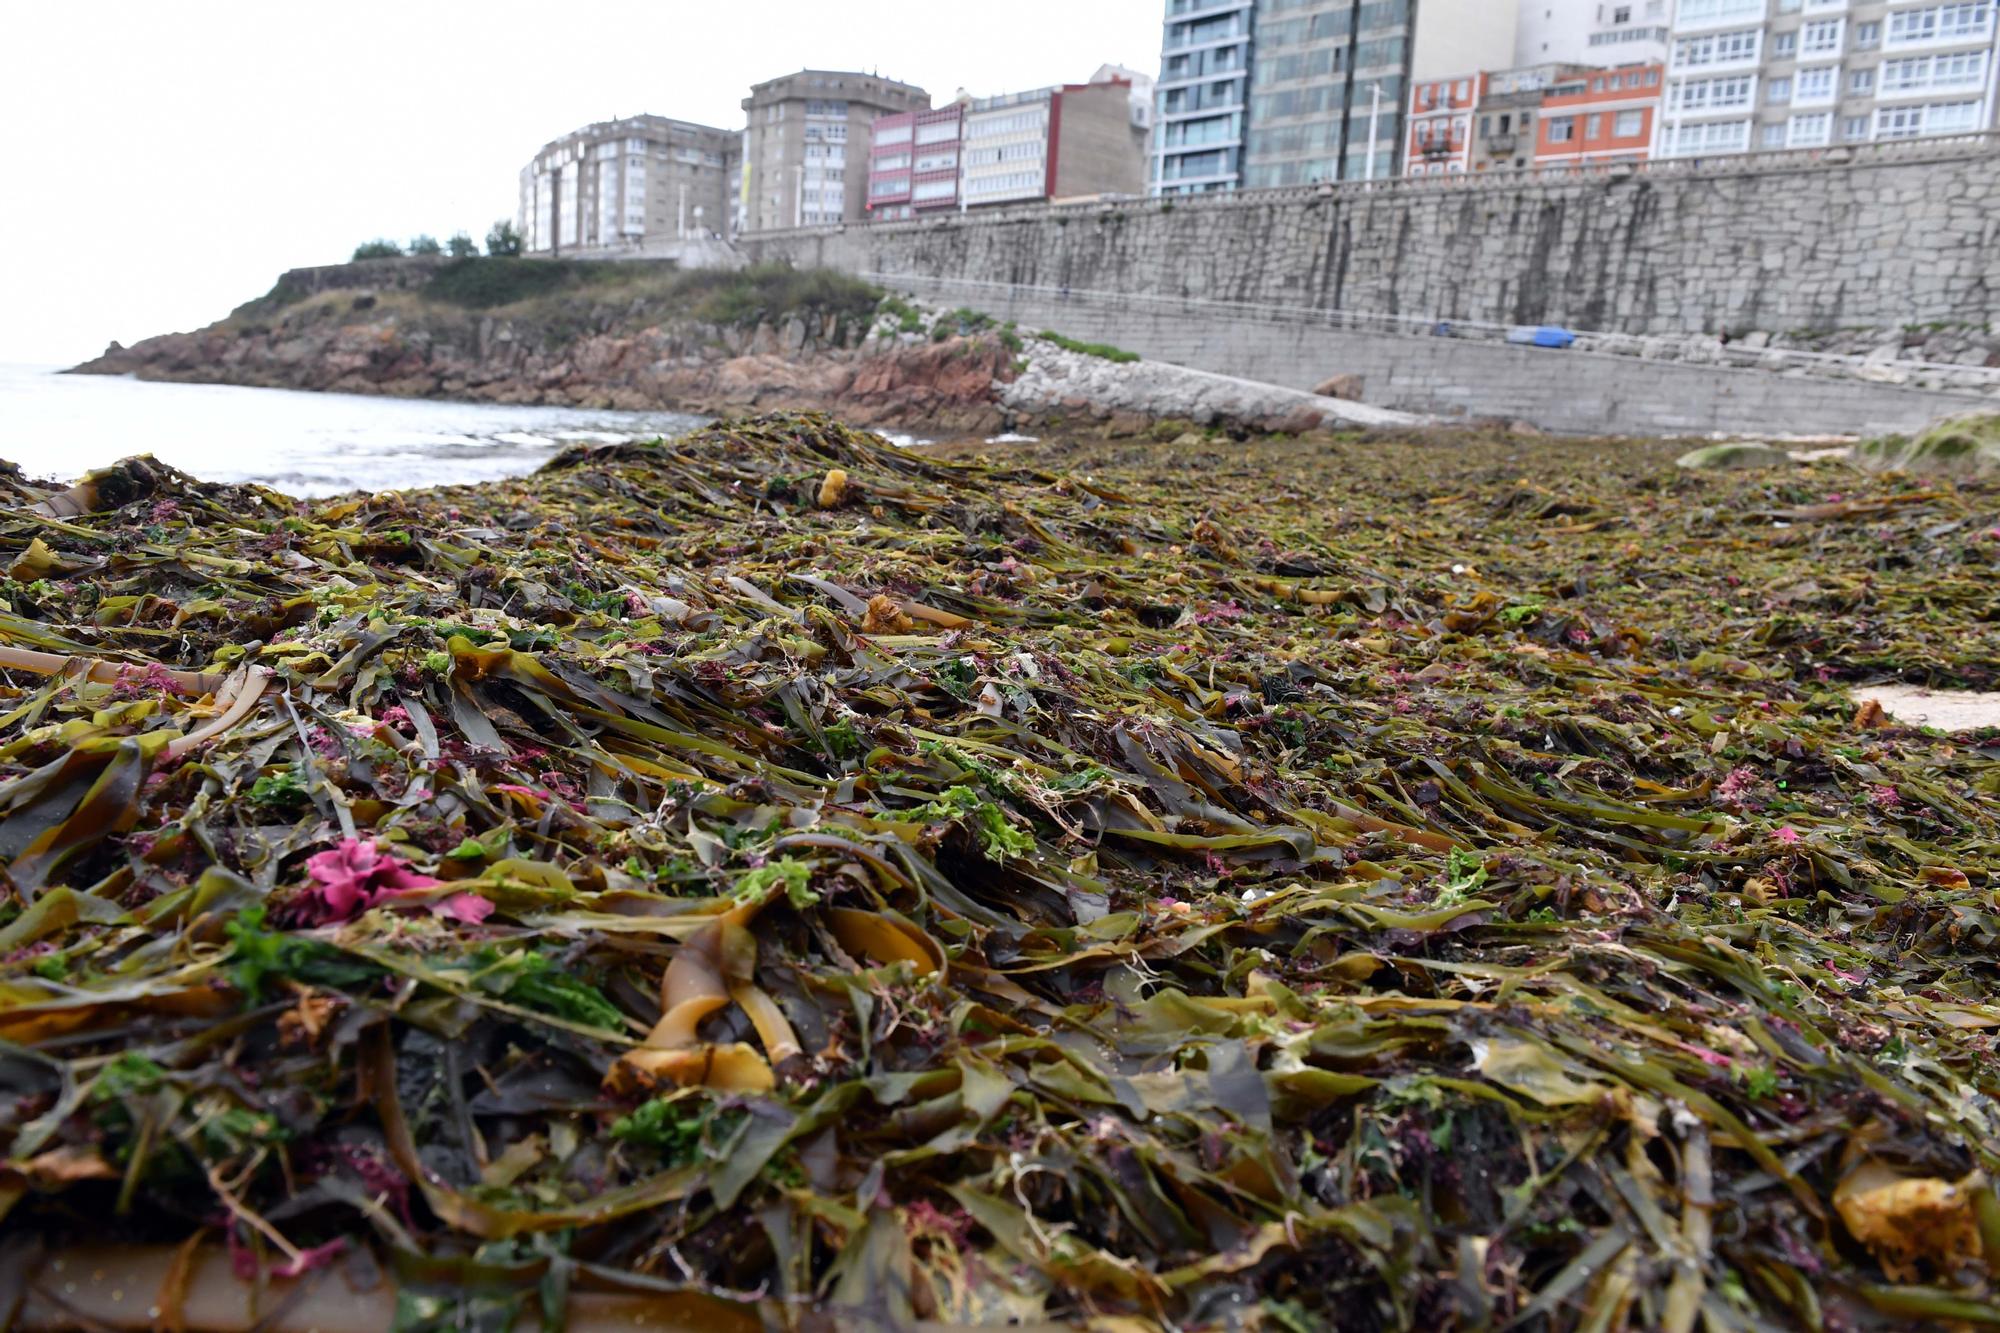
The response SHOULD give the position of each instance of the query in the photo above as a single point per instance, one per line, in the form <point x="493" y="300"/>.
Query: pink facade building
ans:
<point x="1441" y="124"/>
<point x="913" y="162"/>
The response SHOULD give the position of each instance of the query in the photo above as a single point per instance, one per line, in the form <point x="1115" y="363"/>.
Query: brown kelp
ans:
<point x="774" y="879"/>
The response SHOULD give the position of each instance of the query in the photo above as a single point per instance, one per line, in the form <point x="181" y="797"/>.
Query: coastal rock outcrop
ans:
<point x="619" y="338"/>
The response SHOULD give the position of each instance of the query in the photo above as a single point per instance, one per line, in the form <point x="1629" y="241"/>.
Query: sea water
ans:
<point x="61" y="426"/>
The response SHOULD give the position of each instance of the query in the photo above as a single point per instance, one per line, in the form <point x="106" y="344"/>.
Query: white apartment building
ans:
<point x="1065" y="142"/>
<point x="1755" y="75"/>
<point x="1592" y="32"/>
<point x="620" y="186"/>
<point x="1007" y="148"/>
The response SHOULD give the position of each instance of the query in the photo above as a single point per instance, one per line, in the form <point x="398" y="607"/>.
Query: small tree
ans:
<point x="426" y="244"/>
<point x="378" y="249"/>
<point x="502" y="239"/>
<point x="461" y="246"/>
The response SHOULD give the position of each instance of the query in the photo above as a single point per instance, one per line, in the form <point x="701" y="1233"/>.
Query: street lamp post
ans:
<point x="1374" y="119"/>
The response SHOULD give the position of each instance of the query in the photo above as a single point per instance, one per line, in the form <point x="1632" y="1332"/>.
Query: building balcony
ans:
<point x="1504" y="142"/>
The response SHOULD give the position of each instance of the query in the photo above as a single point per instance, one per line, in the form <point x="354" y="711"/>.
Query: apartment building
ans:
<point x="620" y="185"/>
<point x="1537" y="115"/>
<point x="806" y="154"/>
<point x="1203" y="96"/>
<point x="1266" y="93"/>
<point x="914" y="162"/>
<point x="1593" y="32"/>
<point x="1074" y="140"/>
<point x="1142" y="93"/>
<point x="1751" y="75"/>
<point x="1441" y="121"/>
<point x="1599" y="117"/>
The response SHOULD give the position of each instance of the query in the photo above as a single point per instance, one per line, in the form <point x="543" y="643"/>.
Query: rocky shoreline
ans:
<point x="897" y="365"/>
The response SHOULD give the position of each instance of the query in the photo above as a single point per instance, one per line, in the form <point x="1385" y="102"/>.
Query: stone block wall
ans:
<point x="1875" y="237"/>
<point x="1566" y="391"/>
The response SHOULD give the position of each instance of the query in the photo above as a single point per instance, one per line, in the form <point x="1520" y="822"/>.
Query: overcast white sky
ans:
<point x="166" y="160"/>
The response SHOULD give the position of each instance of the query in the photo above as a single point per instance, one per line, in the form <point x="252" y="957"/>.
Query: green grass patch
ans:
<point x="482" y="282"/>
<point x="1105" y="350"/>
<point x="770" y="291"/>
<point x="909" y="319"/>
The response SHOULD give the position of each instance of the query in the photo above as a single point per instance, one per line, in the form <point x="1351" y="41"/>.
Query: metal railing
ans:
<point x="1686" y="349"/>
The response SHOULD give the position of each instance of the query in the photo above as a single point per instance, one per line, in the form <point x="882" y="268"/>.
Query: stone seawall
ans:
<point x="1567" y="391"/>
<point x="1880" y="237"/>
<point x="405" y="273"/>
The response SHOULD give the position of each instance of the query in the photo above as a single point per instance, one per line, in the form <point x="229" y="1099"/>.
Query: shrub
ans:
<point x="378" y="249"/>
<point x="908" y="318"/>
<point x="502" y="240"/>
<point x="461" y="246"/>
<point x="1105" y="350"/>
<point x="772" y="291"/>
<point x="425" y="244"/>
<point x="482" y="283"/>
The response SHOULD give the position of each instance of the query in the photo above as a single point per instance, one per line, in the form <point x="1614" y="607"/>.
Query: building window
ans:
<point x="1778" y="91"/>
<point x="1942" y="23"/>
<point x="1723" y="136"/>
<point x="1817" y="85"/>
<point x="1822" y="38"/>
<point x="1722" y="48"/>
<point x="1812" y="131"/>
<point x="1854" y="127"/>
<point x="1774" y="136"/>
<point x="1910" y="122"/>
<point x="1629" y="125"/>
<point x="1861" y="82"/>
<point x="1693" y="12"/>
<point x="1711" y="94"/>
<point x="1593" y="128"/>
<point x="1784" y="45"/>
<point x="1867" y="35"/>
<point x="1562" y="129"/>
<point x="1900" y="122"/>
<point x="1961" y="69"/>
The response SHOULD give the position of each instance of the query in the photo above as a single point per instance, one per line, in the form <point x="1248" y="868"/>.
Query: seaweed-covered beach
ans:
<point x="772" y="879"/>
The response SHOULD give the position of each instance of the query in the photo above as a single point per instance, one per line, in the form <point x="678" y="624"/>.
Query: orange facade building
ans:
<point x="1604" y="116"/>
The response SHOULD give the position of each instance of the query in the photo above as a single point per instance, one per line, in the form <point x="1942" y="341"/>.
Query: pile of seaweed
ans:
<point x="774" y="879"/>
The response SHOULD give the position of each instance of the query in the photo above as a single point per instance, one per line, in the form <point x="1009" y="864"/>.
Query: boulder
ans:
<point x="1965" y="446"/>
<point x="1729" y="457"/>
<point x="1345" y="387"/>
<point x="1299" y="420"/>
